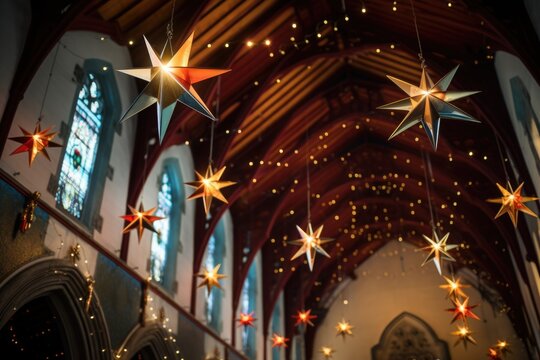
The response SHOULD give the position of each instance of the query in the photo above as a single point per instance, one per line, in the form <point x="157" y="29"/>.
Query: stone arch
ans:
<point x="63" y="285"/>
<point x="409" y="337"/>
<point x="151" y="340"/>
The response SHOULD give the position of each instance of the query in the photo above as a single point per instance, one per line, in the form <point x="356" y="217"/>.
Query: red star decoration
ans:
<point x="493" y="354"/>
<point x="304" y="317"/>
<point x="279" y="341"/>
<point x="140" y="220"/>
<point x="246" y="319"/>
<point x="462" y="310"/>
<point x="34" y="143"/>
<point x="512" y="203"/>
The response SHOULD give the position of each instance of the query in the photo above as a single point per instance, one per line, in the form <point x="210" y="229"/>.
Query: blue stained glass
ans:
<point x="215" y="255"/>
<point x="81" y="148"/>
<point x="210" y="264"/>
<point x="160" y="241"/>
<point x="248" y="305"/>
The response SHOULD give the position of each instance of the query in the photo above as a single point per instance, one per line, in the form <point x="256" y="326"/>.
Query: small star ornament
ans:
<point x="279" y="341"/>
<point x="454" y="287"/>
<point x="169" y="82"/>
<point x="464" y="335"/>
<point x="344" y="328"/>
<point x="438" y="250"/>
<point x="211" y="278"/>
<point x="209" y="186"/>
<point x="310" y="244"/>
<point x="493" y="354"/>
<point x="34" y="142"/>
<point x="140" y="219"/>
<point x="503" y="347"/>
<point x="512" y="202"/>
<point x="246" y="319"/>
<point x="327" y="352"/>
<point x="304" y="317"/>
<point x="428" y="103"/>
<point x="462" y="310"/>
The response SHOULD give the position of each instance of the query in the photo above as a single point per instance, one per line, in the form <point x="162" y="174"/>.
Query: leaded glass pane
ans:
<point x="160" y="241"/>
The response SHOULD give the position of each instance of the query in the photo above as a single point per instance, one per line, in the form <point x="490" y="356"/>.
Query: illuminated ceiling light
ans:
<point x="449" y="4"/>
<point x="227" y="45"/>
<point x="267" y="42"/>
<point x="293" y="25"/>
<point x="208" y="45"/>
<point x="364" y="10"/>
<point x="250" y="43"/>
<point x="130" y="42"/>
<point x="319" y="35"/>
<point x="346" y="18"/>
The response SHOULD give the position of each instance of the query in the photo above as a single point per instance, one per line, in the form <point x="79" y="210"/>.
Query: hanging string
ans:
<point x="169" y="32"/>
<point x="431" y="212"/>
<point x="48" y="83"/>
<point x="213" y="123"/>
<point x="420" y="53"/>
<point x="501" y="155"/>
<point x="308" y="179"/>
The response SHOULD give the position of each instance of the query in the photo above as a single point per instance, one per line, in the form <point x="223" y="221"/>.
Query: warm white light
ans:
<point x="267" y="42"/>
<point x="293" y="25"/>
<point x="250" y="43"/>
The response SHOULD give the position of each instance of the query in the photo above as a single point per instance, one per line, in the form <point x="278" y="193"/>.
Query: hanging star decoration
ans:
<point x="454" y="287"/>
<point x="493" y="354"/>
<point x="209" y="186"/>
<point x="462" y="310"/>
<point x="169" y="82"/>
<point x="304" y="317"/>
<point x="310" y="243"/>
<point x="327" y="352"/>
<point x="140" y="219"/>
<point x="512" y="202"/>
<point x="464" y="335"/>
<point x="344" y="328"/>
<point x="246" y="319"/>
<point x="35" y="143"/>
<point x="279" y="341"/>
<point x="211" y="278"/>
<point x="438" y="250"/>
<point x="503" y="347"/>
<point x="428" y="103"/>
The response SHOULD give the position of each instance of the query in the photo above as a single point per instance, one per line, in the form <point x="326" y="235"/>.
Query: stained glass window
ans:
<point x="81" y="147"/>
<point x="214" y="255"/>
<point x="276" y="329"/>
<point x="161" y="240"/>
<point x="248" y="305"/>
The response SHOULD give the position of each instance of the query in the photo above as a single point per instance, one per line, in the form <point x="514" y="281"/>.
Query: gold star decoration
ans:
<point x="462" y="310"/>
<point x="304" y="317"/>
<point x="464" y="335"/>
<point x="279" y="341"/>
<point x="140" y="220"/>
<point x="493" y="354"/>
<point x="209" y="186"/>
<point x="428" y="103"/>
<point x="454" y="287"/>
<point x="503" y="347"/>
<point x="327" y="352"/>
<point x="246" y="319"/>
<point x="34" y="143"/>
<point x="438" y="250"/>
<point x="344" y="328"/>
<point x="169" y="82"/>
<point x="310" y="243"/>
<point x="211" y="278"/>
<point x="512" y="202"/>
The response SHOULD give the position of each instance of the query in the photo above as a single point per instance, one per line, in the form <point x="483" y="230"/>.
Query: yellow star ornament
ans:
<point x="427" y="104"/>
<point x="310" y="243"/>
<point x="327" y="352"/>
<point x="209" y="186"/>
<point x="464" y="335"/>
<point x="34" y="143"/>
<point x="454" y="287"/>
<point x="344" y="328"/>
<point x="140" y="219"/>
<point x="438" y="250"/>
<point x="211" y="278"/>
<point x="512" y="202"/>
<point x="169" y="82"/>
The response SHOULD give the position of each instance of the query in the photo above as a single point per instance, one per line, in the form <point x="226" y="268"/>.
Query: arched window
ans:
<point x="170" y="201"/>
<point x="248" y="305"/>
<point x="95" y="113"/>
<point x="276" y="328"/>
<point x="214" y="255"/>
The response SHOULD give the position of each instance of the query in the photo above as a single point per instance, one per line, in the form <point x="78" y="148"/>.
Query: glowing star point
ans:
<point x="512" y="203"/>
<point x="209" y="186"/>
<point x="34" y="143"/>
<point x="211" y="278"/>
<point x="310" y="244"/>
<point x="140" y="219"/>
<point x="279" y="341"/>
<point x="344" y="328"/>
<point x="304" y="317"/>
<point x="438" y="250"/>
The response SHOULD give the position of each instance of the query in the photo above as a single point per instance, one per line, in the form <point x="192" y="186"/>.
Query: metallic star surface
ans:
<point x="344" y="328"/>
<point x="246" y="319"/>
<point x="310" y="243"/>
<point x="304" y="317"/>
<point x="462" y="310"/>
<point x="279" y="341"/>
<point x="512" y="202"/>
<point x="438" y="250"/>
<point x="211" y="278"/>
<point x="454" y="287"/>
<point x="427" y="104"/>
<point x="140" y="219"/>
<point x="327" y="352"/>
<point x="35" y="143"/>
<point x="209" y="186"/>
<point x="464" y="335"/>
<point x="169" y="82"/>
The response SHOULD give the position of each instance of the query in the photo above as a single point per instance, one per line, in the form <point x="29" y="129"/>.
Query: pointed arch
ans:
<point x="151" y="340"/>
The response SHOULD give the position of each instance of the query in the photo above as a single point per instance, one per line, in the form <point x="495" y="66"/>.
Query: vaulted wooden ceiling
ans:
<point x="313" y="91"/>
